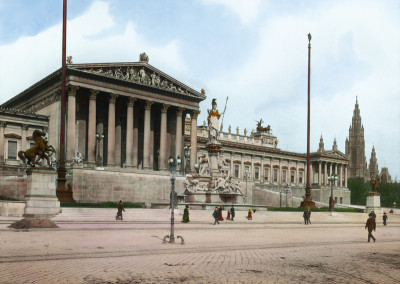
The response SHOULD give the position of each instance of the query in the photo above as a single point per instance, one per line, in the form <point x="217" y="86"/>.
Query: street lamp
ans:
<point x="247" y="176"/>
<point x="332" y="180"/>
<point x="99" y="160"/>
<point x="287" y="190"/>
<point x="186" y="153"/>
<point x="173" y="164"/>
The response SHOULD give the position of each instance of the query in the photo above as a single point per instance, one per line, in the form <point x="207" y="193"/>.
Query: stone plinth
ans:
<point x="207" y="197"/>
<point x="373" y="202"/>
<point x="41" y="199"/>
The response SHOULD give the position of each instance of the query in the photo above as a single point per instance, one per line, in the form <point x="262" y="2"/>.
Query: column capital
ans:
<point x="93" y="94"/>
<point x="131" y="101"/>
<point x="149" y="104"/>
<point x="194" y="114"/>
<point x="112" y="98"/>
<point x="180" y="110"/>
<point x="3" y="123"/>
<point x="165" y="107"/>
<point x="72" y="90"/>
<point x="24" y="126"/>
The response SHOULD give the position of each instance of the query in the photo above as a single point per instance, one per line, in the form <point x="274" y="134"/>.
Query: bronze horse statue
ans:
<point x="41" y="150"/>
<point x="262" y="129"/>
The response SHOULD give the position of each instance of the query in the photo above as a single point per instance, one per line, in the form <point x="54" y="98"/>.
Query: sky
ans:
<point x="253" y="52"/>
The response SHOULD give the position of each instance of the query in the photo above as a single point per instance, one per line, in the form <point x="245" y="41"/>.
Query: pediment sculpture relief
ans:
<point x="138" y="75"/>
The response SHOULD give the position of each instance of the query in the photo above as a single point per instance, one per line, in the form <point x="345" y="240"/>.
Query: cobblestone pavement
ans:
<point x="276" y="248"/>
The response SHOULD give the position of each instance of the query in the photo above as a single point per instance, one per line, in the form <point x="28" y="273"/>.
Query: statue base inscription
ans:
<point x="373" y="202"/>
<point x="41" y="199"/>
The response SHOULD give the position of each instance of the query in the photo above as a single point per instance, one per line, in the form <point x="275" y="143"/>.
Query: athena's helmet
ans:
<point x="214" y="102"/>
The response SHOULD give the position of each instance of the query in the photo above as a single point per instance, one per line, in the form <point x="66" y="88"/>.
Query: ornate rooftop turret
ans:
<point x="321" y="145"/>
<point x="334" y="147"/>
<point x="373" y="165"/>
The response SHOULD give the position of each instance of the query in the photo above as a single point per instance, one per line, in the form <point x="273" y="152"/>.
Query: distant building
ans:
<point x="355" y="147"/>
<point x="384" y="176"/>
<point x="373" y="165"/>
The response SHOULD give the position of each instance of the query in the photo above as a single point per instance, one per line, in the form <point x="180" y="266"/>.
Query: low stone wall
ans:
<point x="112" y="185"/>
<point x="13" y="187"/>
<point x="12" y="208"/>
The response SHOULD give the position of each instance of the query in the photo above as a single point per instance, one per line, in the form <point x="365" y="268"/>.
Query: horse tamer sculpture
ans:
<point x="41" y="150"/>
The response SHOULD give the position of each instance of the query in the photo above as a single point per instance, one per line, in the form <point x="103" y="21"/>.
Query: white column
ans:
<point x="24" y="128"/>
<point x="146" y="138"/>
<point x="345" y="176"/>
<point x="92" y="127"/>
<point x="193" y="141"/>
<point x="129" y="132"/>
<point x="2" y="126"/>
<point x="319" y="173"/>
<point x="326" y="173"/>
<point x="111" y="130"/>
<point x="163" y="138"/>
<point x="336" y="173"/>
<point x="178" y="142"/>
<point x="71" y="141"/>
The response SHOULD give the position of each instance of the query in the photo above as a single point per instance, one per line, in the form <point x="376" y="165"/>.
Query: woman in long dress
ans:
<point x="185" y="218"/>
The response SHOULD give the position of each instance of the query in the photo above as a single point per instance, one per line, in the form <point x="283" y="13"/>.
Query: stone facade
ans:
<point x="373" y="165"/>
<point x="127" y="119"/>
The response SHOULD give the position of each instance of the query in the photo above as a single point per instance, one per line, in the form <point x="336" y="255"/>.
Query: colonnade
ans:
<point x="114" y="141"/>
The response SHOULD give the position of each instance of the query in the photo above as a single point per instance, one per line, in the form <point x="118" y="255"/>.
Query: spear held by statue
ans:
<point x="223" y="114"/>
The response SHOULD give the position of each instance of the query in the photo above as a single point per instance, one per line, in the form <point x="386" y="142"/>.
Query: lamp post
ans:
<point x="332" y="180"/>
<point x="99" y="160"/>
<point x="287" y="190"/>
<point x="247" y="176"/>
<point x="172" y="163"/>
<point x="186" y="153"/>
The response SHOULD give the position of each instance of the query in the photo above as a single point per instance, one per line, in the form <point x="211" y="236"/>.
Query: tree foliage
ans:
<point x="390" y="192"/>
<point x="358" y="190"/>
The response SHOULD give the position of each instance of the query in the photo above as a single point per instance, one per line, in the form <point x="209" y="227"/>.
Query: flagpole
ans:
<point x="61" y="181"/>
<point x="307" y="202"/>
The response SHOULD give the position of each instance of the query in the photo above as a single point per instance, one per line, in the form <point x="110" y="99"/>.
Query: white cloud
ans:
<point x="247" y="11"/>
<point x="86" y="43"/>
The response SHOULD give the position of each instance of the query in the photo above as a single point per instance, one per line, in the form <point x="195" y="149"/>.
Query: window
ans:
<point x="336" y="199"/>
<point x="300" y="177"/>
<point x="275" y="175"/>
<point x="12" y="150"/>
<point x="283" y="175"/>
<point x="236" y="171"/>
<point x="292" y="175"/>
<point x="341" y="200"/>
<point x="257" y="173"/>
<point x="246" y="170"/>
<point x="266" y="174"/>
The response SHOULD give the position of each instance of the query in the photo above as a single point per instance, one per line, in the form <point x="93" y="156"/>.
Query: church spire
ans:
<point x="321" y="144"/>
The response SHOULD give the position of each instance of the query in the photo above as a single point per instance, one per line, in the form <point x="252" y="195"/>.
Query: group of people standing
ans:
<point x="217" y="214"/>
<point x="307" y="216"/>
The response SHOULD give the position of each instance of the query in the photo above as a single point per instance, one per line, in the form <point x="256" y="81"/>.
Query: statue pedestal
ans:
<point x="373" y="202"/>
<point x="41" y="199"/>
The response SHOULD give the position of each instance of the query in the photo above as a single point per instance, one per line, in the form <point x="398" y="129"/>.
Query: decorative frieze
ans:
<point x="38" y="105"/>
<point x="140" y="76"/>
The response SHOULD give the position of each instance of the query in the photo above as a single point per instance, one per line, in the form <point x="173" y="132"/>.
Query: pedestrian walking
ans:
<point x="371" y="225"/>
<point x="220" y="218"/>
<point x="385" y="217"/>
<point x="228" y="217"/>
<point x="185" y="218"/>
<point x="232" y="213"/>
<point x="305" y="216"/>
<point x="119" y="212"/>
<point x="308" y="216"/>
<point x="215" y="214"/>
<point x="250" y="214"/>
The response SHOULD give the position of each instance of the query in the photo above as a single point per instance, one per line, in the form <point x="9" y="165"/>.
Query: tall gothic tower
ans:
<point x="355" y="147"/>
<point x="373" y="165"/>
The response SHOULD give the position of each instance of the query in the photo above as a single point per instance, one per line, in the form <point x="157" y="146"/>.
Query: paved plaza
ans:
<point x="274" y="247"/>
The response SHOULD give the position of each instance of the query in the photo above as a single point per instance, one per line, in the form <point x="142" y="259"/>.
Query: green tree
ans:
<point x="390" y="193"/>
<point x="358" y="190"/>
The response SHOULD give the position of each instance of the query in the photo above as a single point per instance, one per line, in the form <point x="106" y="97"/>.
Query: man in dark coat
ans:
<point x="385" y="217"/>
<point x="232" y="213"/>
<point x="371" y="225"/>
<point x="215" y="215"/>
<point x="120" y="209"/>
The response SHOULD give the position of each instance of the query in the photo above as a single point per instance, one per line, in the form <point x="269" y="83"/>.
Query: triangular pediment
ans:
<point x="138" y="73"/>
<point x="335" y="154"/>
